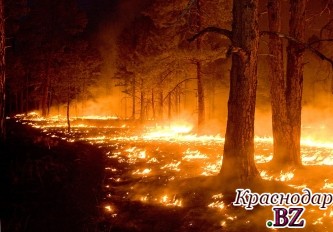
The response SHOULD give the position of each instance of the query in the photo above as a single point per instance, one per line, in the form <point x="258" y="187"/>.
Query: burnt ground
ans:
<point x="48" y="184"/>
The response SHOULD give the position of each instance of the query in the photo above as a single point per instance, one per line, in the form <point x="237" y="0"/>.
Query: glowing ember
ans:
<point x="212" y="169"/>
<point x="284" y="176"/>
<point x="108" y="209"/>
<point x="165" y="200"/>
<point x="159" y="156"/>
<point x="172" y="166"/>
<point x="143" y="172"/>
<point x="218" y="203"/>
<point x="190" y="155"/>
<point x="327" y="185"/>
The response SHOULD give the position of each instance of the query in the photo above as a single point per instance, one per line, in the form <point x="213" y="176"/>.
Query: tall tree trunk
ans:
<point x="26" y="105"/>
<point x="142" y="103"/>
<point x="45" y="90"/>
<point x="133" y="98"/>
<point x="169" y="107"/>
<point x="67" y="110"/>
<point x="286" y="93"/>
<point x="2" y="73"/>
<point x="201" y="98"/>
<point x="238" y="159"/>
<point x="200" y="91"/>
<point x="153" y="103"/>
<point x="294" y="88"/>
<point x="68" y="115"/>
<point x="277" y="84"/>
<point x="161" y="105"/>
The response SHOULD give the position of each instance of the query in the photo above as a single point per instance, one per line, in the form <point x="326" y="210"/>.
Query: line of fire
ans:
<point x="154" y="115"/>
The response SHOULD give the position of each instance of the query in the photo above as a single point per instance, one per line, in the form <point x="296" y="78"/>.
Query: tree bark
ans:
<point x="286" y="92"/>
<point x="2" y="73"/>
<point x="133" y="98"/>
<point x="238" y="165"/>
<point x="169" y="107"/>
<point x="45" y="90"/>
<point x="67" y="110"/>
<point x="142" y="103"/>
<point x="153" y="104"/>
<point x="201" y="97"/>
<point x="160" y="105"/>
<point x="200" y="90"/>
<point x="294" y="83"/>
<point x="280" y="122"/>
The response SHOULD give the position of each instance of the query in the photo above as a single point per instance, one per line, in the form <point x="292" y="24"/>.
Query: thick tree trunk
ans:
<point x="280" y="121"/>
<point x="2" y="73"/>
<point x="238" y="164"/>
<point x="294" y="88"/>
<point x="286" y="93"/>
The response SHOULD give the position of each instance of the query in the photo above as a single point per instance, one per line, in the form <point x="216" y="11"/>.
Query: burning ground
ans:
<point x="108" y="175"/>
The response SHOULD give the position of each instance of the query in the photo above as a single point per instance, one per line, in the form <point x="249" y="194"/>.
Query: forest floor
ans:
<point x="49" y="184"/>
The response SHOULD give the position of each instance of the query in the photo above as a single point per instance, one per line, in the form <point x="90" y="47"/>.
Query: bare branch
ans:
<point x="325" y="27"/>
<point x="305" y="45"/>
<point x="177" y="86"/>
<point x="319" y="41"/>
<point x="221" y="31"/>
<point x="228" y="34"/>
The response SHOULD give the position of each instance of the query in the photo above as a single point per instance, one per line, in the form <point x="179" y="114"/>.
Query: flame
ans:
<point x="108" y="209"/>
<point x="217" y="203"/>
<point x="143" y="172"/>
<point x="190" y="155"/>
<point x="169" y="153"/>
<point x="172" y="166"/>
<point x="165" y="200"/>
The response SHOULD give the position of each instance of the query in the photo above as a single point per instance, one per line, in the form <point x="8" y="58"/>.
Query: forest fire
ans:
<point x="166" y="110"/>
<point x="146" y="167"/>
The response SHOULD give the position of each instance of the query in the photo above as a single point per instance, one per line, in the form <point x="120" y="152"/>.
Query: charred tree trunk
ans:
<point x="2" y="73"/>
<point x="238" y="165"/>
<point x="294" y="88"/>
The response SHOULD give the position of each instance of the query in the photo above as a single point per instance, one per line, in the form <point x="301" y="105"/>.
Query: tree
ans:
<point x="286" y="92"/>
<point x="2" y="72"/>
<point x="47" y="29"/>
<point x="78" y="66"/>
<point x="169" y="60"/>
<point x="238" y="158"/>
